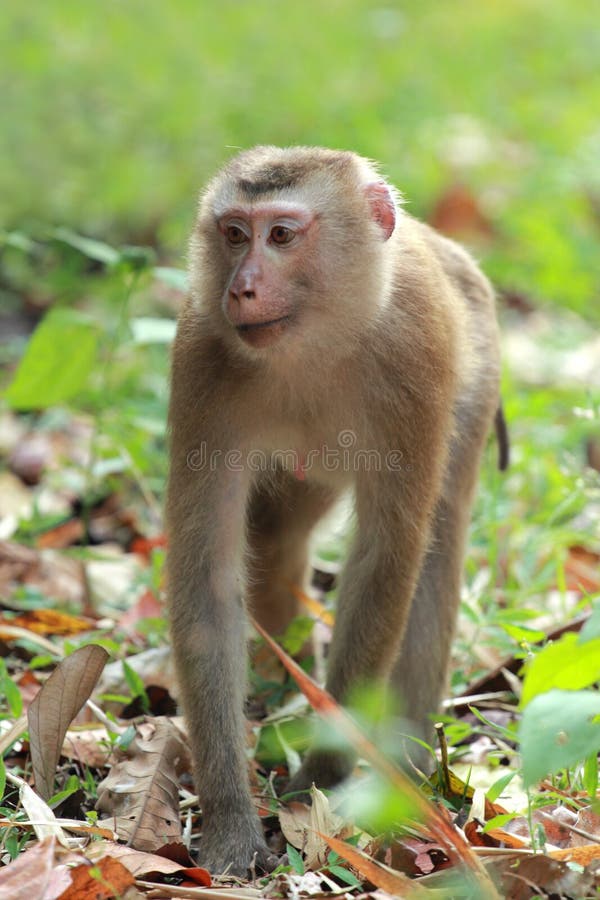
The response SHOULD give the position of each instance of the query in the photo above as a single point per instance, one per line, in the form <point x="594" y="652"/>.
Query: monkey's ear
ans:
<point x="383" y="208"/>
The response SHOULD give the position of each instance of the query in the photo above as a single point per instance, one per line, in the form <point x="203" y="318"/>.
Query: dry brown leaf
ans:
<point x="141" y="791"/>
<point x="55" y="707"/>
<point x="377" y="873"/>
<point x="583" y="855"/>
<point x="588" y="821"/>
<point x="87" y="745"/>
<point x="107" y="879"/>
<point x="548" y="877"/>
<point x="322" y="821"/>
<point x="50" y="621"/>
<point x="64" y="535"/>
<point x="30" y="874"/>
<point x="293" y="821"/>
<point x="139" y="863"/>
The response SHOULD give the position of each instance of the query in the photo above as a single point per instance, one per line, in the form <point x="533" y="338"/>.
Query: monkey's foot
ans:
<point x="324" y="768"/>
<point x="239" y="853"/>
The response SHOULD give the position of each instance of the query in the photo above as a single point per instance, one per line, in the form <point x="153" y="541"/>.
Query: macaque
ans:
<point x="330" y="341"/>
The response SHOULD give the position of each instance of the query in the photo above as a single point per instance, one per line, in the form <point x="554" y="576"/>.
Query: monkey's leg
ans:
<point x="281" y="518"/>
<point x="420" y="674"/>
<point x="377" y="585"/>
<point x="205" y="517"/>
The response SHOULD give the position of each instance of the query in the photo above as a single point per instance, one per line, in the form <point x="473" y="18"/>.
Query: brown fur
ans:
<point x="393" y="342"/>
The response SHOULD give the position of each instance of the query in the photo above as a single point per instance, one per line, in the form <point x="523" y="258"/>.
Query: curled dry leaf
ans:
<point x="141" y="791"/>
<point x="55" y="707"/>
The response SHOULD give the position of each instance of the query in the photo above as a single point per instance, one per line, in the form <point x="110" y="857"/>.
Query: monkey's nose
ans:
<point x="242" y="295"/>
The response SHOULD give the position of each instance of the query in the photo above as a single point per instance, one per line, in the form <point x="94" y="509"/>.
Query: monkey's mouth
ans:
<point x="260" y="334"/>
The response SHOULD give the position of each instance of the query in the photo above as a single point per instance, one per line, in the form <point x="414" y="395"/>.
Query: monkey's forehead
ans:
<point x="304" y="173"/>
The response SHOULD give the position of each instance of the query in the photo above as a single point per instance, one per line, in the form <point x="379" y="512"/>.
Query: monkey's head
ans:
<point x="290" y="248"/>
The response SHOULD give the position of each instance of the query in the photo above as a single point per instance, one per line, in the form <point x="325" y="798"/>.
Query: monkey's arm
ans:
<point x="205" y="519"/>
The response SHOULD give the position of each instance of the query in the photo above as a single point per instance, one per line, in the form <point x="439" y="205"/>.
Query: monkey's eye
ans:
<point x="282" y="235"/>
<point x="235" y="235"/>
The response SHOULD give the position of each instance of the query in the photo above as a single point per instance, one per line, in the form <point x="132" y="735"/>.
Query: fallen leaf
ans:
<point x="523" y="877"/>
<point x="583" y="855"/>
<point x="29" y="875"/>
<point x="88" y="746"/>
<point x="140" y="794"/>
<point x="106" y="879"/>
<point x="321" y="821"/>
<point x="50" y="621"/>
<point x="377" y="873"/>
<point x="141" y="864"/>
<point x="55" y="707"/>
<point x="61" y="536"/>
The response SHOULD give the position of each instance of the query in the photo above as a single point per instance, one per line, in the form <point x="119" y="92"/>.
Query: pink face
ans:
<point x="267" y="244"/>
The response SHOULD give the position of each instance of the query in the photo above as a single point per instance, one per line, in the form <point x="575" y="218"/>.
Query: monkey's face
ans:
<point x="289" y="252"/>
<point x="266" y="247"/>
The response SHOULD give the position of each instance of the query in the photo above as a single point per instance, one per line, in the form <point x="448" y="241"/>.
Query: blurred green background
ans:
<point x="114" y="113"/>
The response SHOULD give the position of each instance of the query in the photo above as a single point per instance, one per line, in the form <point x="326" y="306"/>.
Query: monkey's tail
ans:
<point x="502" y="438"/>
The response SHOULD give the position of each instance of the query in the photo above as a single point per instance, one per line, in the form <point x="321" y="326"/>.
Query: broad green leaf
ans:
<point x="152" y="330"/>
<point x="522" y="633"/>
<point x="59" y="357"/>
<point x="91" y="248"/>
<point x="173" y="278"/>
<point x="295" y="858"/>
<point x="569" y="664"/>
<point x="558" y="729"/>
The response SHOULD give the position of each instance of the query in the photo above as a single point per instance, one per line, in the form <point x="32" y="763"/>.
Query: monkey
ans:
<point x="330" y="341"/>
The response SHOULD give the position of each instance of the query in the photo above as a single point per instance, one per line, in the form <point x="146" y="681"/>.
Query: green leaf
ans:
<point x="91" y="248"/>
<point x="499" y="821"/>
<point x="522" y="633"/>
<point x="58" y="360"/>
<point x="498" y="786"/>
<point x="152" y="330"/>
<point x="295" y="858"/>
<point x="2" y="777"/>
<point x="558" y="729"/>
<point x="134" y="682"/>
<point x="590" y="775"/>
<point x="345" y="876"/>
<point x="568" y="664"/>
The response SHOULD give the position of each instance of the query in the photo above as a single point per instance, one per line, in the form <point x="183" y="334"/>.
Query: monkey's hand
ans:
<point x="235" y="847"/>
